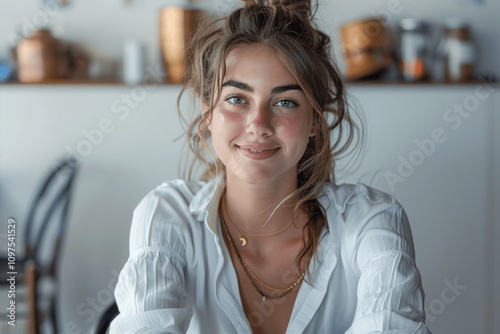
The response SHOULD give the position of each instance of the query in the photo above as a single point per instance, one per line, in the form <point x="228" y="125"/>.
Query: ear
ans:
<point x="313" y="130"/>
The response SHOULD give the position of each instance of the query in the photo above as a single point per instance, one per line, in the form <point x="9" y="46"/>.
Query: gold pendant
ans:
<point x="243" y="241"/>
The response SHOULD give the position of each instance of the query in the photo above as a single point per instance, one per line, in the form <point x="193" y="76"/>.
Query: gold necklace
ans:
<point x="251" y="275"/>
<point x="243" y="236"/>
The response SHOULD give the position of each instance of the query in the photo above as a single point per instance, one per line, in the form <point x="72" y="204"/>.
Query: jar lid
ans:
<point x="413" y="24"/>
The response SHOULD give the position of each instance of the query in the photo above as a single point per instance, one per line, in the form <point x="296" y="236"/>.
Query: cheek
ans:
<point x="233" y="118"/>
<point x="225" y="126"/>
<point x="227" y="121"/>
<point x="296" y="128"/>
<point x="296" y="135"/>
<point x="221" y="117"/>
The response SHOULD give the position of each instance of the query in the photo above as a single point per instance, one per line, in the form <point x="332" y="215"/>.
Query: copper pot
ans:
<point x="367" y="48"/>
<point x="177" y="24"/>
<point x="39" y="58"/>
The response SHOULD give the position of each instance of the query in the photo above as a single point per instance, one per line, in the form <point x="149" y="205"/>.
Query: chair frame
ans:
<point x="35" y="270"/>
<point x="35" y="232"/>
<point x="105" y="318"/>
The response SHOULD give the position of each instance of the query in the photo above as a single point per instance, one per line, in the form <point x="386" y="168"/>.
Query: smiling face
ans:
<point x="261" y="124"/>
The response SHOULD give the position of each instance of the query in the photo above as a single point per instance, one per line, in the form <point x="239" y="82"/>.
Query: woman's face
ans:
<point x="262" y="122"/>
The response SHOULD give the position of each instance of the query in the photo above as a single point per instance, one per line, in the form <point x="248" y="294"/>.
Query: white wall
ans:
<point x="449" y="197"/>
<point x="37" y="124"/>
<point x="448" y="192"/>
<point x="496" y="221"/>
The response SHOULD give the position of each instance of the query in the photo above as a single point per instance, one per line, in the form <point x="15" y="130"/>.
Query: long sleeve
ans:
<point x="390" y="295"/>
<point x="151" y="290"/>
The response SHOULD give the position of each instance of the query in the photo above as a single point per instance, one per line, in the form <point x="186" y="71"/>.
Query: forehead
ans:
<point x="257" y="61"/>
<point x="244" y="51"/>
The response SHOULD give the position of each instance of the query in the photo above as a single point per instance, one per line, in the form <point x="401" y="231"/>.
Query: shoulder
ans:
<point x="169" y="199"/>
<point x="174" y="192"/>
<point x="163" y="216"/>
<point x="357" y="208"/>
<point x="360" y="198"/>
<point x="369" y="223"/>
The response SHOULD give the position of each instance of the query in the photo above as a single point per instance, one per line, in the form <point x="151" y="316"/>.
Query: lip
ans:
<point x="258" y="152"/>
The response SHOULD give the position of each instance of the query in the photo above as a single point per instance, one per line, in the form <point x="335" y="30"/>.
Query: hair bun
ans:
<point x="302" y="7"/>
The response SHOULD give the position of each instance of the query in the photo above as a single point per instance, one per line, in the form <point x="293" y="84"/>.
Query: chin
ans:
<point x="263" y="176"/>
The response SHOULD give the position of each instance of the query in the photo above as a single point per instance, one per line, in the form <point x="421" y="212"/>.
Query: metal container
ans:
<point x="41" y="57"/>
<point x="413" y="49"/>
<point x="177" y="24"/>
<point x="366" y="45"/>
<point x="37" y="57"/>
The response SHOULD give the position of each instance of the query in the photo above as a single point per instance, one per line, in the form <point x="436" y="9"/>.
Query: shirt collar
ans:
<point x="205" y="203"/>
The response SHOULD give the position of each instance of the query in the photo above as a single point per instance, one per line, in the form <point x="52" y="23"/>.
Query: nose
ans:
<point x="260" y="121"/>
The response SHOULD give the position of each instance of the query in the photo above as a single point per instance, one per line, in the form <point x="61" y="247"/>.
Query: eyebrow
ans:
<point x="247" y="88"/>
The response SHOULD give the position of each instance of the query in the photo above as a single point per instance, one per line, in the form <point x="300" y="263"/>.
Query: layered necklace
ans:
<point x="254" y="279"/>
<point x="244" y="236"/>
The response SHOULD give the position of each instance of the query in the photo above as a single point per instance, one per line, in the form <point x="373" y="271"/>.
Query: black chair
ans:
<point x="44" y="232"/>
<point x="105" y="318"/>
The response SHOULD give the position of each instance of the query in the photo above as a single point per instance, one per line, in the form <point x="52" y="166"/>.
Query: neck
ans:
<point x="259" y="209"/>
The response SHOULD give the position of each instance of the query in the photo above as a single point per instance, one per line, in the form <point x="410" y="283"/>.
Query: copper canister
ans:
<point x="366" y="46"/>
<point x="37" y="57"/>
<point x="177" y="25"/>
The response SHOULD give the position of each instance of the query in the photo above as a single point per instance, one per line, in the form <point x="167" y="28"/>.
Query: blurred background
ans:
<point x="99" y="80"/>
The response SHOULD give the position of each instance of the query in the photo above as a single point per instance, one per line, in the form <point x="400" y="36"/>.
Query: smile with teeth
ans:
<point x="257" y="150"/>
<point x="259" y="153"/>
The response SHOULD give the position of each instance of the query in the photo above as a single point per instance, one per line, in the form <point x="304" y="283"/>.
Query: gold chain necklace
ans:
<point x="251" y="275"/>
<point x="243" y="236"/>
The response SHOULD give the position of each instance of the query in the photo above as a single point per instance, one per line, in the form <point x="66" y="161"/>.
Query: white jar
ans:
<point x="459" y="52"/>
<point x="133" y="63"/>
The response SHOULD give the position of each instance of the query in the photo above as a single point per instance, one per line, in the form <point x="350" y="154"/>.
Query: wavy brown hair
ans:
<point x="287" y="27"/>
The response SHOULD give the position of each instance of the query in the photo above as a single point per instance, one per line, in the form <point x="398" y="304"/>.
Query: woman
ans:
<point x="268" y="243"/>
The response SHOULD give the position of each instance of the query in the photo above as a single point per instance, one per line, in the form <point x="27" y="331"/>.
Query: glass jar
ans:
<point x="413" y="49"/>
<point x="459" y="51"/>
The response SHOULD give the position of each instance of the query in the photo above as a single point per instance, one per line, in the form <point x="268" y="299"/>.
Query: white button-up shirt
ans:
<point x="179" y="277"/>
